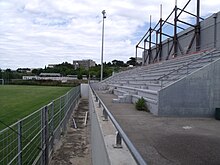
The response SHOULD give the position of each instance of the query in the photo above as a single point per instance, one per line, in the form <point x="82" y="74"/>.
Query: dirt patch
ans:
<point x="75" y="147"/>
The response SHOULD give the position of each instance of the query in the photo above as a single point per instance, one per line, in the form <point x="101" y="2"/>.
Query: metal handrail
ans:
<point x="184" y="65"/>
<point x="136" y="155"/>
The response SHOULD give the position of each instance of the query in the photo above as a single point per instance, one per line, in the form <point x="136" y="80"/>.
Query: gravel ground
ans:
<point x="74" y="147"/>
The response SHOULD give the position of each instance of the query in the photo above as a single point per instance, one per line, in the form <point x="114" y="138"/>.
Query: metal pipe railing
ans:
<point x="184" y="65"/>
<point x="136" y="155"/>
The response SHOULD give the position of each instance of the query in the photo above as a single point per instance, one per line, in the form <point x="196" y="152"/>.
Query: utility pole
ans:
<point x="104" y="16"/>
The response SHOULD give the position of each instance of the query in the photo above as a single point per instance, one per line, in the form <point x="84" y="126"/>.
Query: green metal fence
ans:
<point x="31" y="139"/>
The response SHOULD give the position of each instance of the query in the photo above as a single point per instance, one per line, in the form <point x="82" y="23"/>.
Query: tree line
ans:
<point x="66" y="69"/>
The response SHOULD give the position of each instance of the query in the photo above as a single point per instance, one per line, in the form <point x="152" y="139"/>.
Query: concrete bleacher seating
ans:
<point x="149" y="81"/>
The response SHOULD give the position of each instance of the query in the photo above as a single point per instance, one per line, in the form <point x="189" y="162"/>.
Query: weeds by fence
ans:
<point x="31" y="139"/>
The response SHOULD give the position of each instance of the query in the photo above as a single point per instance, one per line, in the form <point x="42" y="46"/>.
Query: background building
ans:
<point x="83" y="63"/>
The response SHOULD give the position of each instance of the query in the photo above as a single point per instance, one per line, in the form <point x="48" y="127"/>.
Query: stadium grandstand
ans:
<point x="180" y="72"/>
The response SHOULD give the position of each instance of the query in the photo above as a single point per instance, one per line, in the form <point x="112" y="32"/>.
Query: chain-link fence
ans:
<point x="31" y="139"/>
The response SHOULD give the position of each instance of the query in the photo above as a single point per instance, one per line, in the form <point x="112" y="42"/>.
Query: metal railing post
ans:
<point x="20" y="143"/>
<point x="99" y="104"/>
<point x="118" y="141"/>
<point x="105" y="115"/>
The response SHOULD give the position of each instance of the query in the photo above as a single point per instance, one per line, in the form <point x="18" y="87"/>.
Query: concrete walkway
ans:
<point x="168" y="140"/>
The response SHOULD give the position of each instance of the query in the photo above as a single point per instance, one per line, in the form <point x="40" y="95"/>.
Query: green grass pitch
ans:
<point x="17" y="101"/>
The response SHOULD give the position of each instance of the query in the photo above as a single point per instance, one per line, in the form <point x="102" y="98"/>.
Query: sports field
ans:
<point x="17" y="102"/>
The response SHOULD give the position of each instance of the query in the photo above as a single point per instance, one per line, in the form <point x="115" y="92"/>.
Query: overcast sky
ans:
<point x="35" y="33"/>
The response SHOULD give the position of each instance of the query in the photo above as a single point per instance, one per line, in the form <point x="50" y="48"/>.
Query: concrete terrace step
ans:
<point x="174" y="68"/>
<point x="150" y="94"/>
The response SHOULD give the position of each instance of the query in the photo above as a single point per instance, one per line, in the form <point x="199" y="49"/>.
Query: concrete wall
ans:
<point x="99" y="152"/>
<point x="84" y="90"/>
<point x="184" y="37"/>
<point x="195" y="95"/>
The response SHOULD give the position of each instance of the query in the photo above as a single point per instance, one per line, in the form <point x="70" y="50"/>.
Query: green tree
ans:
<point x="132" y="61"/>
<point x="118" y="63"/>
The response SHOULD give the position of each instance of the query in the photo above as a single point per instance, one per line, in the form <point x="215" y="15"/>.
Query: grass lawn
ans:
<point x="17" y="101"/>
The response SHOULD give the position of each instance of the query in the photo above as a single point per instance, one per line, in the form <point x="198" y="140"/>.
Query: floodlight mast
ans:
<point x="103" y="25"/>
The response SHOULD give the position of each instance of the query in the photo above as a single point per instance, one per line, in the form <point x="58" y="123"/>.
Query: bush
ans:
<point x="141" y="106"/>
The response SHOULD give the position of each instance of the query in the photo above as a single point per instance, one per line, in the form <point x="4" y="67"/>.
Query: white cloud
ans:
<point x="38" y="32"/>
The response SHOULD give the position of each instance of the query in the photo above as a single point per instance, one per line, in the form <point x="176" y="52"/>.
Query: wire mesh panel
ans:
<point x="9" y="145"/>
<point x="30" y="140"/>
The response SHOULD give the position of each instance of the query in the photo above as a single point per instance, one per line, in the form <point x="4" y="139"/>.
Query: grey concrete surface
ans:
<point x="195" y="95"/>
<point x="84" y="90"/>
<point x="103" y="137"/>
<point x="168" y="140"/>
<point x="98" y="148"/>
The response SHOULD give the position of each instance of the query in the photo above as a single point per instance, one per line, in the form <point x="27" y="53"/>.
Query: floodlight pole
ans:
<point x="104" y="16"/>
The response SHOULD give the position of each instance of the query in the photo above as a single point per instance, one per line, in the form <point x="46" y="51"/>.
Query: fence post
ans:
<point x="65" y="105"/>
<point x="43" y="136"/>
<point x="60" y="109"/>
<point x="19" y="143"/>
<point x="63" y="116"/>
<point x="46" y="137"/>
<point x="52" y="124"/>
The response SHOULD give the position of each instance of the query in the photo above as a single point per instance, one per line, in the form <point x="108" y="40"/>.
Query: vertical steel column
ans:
<point x="157" y="45"/>
<point x="145" y="56"/>
<point x="136" y="54"/>
<point x="149" y="50"/>
<point x="19" y="143"/>
<point x="144" y="48"/>
<point x="175" y="30"/>
<point x="160" y="45"/>
<point x="197" y="30"/>
<point x="215" y="29"/>
<point x="168" y="46"/>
